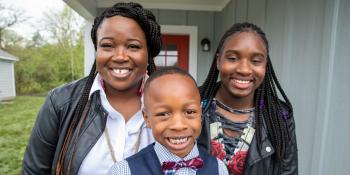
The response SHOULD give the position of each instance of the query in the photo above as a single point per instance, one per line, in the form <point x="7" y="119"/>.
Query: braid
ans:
<point x="207" y="89"/>
<point x="270" y="110"/>
<point x="274" y="113"/>
<point x="151" y="29"/>
<point x="77" y="116"/>
<point x="208" y="86"/>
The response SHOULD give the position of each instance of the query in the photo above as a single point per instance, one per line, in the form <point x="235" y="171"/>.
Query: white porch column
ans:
<point x="89" y="50"/>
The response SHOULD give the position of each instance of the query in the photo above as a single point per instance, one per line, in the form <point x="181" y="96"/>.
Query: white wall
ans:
<point x="7" y="80"/>
<point x="309" y="48"/>
<point x="89" y="50"/>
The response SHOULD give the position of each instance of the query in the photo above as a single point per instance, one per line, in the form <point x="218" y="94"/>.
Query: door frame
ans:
<point x="192" y="31"/>
<point x="182" y="43"/>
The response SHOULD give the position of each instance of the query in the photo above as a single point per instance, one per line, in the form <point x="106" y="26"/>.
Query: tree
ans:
<point x="65" y="28"/>
<point x="11" y="39"/>
<point x="47" y="61"/>
<point x="37" y="40"/>
<point x="9" y="17"/>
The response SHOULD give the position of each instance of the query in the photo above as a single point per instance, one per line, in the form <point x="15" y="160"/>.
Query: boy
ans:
<point x="173" y="112"/>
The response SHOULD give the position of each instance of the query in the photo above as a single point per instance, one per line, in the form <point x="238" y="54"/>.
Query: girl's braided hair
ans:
<point x="151" y="29"/>
<point x="270" y="110"/>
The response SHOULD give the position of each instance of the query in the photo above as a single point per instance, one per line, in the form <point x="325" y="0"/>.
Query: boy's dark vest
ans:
<point x="146" y="162"/>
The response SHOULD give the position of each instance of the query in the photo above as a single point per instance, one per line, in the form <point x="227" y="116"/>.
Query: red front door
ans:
<point x="175" y="51"/>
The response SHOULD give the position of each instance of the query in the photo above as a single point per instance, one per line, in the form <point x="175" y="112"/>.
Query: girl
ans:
<point x="245" y="123"/>
<point x="87" y="125"/>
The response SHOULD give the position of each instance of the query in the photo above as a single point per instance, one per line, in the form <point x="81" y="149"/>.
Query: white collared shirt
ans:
<point x="123" y="137"/>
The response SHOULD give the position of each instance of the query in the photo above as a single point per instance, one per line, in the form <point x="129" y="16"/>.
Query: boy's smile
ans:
<point x="173" y="111"/>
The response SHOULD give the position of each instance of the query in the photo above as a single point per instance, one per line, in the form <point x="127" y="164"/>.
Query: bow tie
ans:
<point x="171" y="167"/>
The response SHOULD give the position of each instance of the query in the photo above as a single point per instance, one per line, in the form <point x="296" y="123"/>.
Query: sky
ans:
<point x="33" y="10"/>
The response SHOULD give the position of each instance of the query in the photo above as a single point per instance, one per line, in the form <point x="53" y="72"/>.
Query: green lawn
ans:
<point x="16" y="122"/>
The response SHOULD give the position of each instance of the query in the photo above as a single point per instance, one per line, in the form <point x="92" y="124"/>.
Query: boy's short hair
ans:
<point x="167" y="71"/>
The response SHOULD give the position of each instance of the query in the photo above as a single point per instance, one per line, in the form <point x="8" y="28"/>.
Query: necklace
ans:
<point x="111" y="150"/>
<point x="233" y="110"/>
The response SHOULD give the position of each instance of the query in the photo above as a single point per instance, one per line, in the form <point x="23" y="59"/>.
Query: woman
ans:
<point x="86" y="126"/>
<point x="245" y="123"/>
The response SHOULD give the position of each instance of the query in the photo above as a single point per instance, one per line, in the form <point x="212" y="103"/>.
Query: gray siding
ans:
<point x="309" y="47"/>
<point x="7" y="89"/>
<point x="205" y="24"/>
<point x="335" y="157"/>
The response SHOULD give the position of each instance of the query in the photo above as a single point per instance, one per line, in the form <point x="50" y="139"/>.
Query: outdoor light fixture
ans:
<point x="205" y="45"/>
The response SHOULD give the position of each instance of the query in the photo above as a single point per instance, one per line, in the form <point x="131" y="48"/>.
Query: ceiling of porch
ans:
<point x="89" y="8"/>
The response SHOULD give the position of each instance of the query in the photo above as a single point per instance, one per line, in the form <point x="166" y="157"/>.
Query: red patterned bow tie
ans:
<point x="195" y="163"/>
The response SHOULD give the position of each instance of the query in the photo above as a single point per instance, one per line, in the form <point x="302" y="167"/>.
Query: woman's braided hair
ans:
<point x="270" y="110"/>
<point x="151" y="29"/>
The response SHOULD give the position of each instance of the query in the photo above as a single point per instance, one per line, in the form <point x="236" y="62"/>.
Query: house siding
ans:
<point x="309" y="50"/>
<point x="7" y="81"/>
<point x="336" y="123"/>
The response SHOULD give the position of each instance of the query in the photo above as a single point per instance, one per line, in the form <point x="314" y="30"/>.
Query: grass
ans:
<point x="17" y="118"/>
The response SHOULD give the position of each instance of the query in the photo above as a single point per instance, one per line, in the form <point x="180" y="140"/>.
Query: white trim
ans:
<point x="8" y="58"/>
<point x="82" y="10"/>
<point x="215" y="5"/>
<point x="192" y="31"/>
<point x="89" y="50"/>
<point x="223" y="4"/>
<point x="13" y="79"/>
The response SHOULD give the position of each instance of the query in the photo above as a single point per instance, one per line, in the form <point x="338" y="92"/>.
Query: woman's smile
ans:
<point x="121" y="73"/>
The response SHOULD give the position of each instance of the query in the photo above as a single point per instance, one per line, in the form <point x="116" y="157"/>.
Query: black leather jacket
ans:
<point x="51" y="126"/>
<point x="262" y="163"/>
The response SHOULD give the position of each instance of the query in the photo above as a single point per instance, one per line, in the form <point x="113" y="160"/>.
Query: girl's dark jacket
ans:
<point x="260" y="160"/>
<point x="52" y="124"/>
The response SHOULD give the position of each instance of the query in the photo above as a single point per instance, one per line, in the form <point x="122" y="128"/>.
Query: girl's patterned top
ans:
<point x="232" y="150"/>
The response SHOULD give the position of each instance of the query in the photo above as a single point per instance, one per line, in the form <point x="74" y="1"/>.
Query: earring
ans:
<point x="142" y="84"/>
